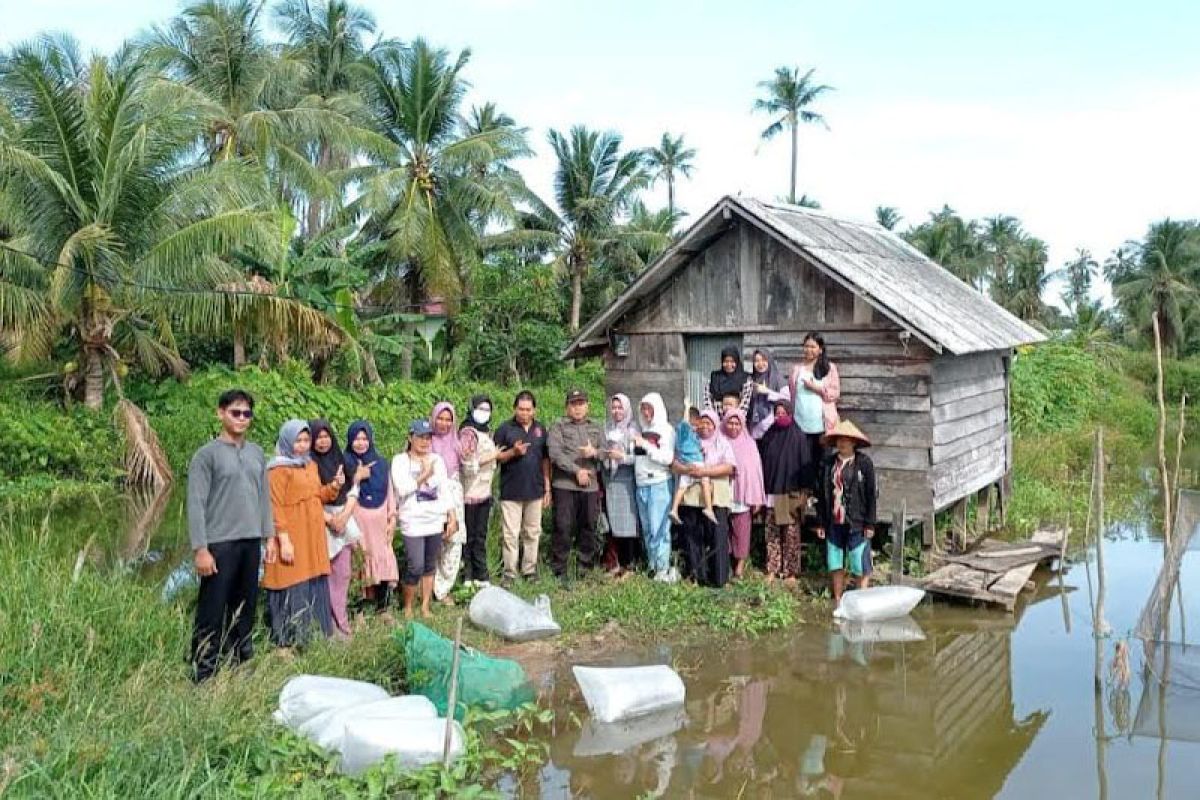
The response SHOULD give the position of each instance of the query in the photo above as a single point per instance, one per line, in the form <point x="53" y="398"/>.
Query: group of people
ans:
<point x="755" y="451"/>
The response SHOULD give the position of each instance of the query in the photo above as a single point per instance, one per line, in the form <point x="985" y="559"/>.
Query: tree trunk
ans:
<point x="671" y="193"/>
<point x="239" y="347"/>
<point x="93" y="377"/>
<point x="576" y="298"/>
<point x="413" y="283"/>
<point x="795" y="144"/>
<point x="312" y="223"/>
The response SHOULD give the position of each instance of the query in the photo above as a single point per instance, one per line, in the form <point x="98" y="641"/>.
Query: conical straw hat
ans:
<point x="846" y="429"/>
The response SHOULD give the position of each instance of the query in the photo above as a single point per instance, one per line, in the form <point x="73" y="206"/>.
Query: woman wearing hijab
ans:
<point x="341" y="531"/>
<point x="297" y="581"/>
<point x="706" y="539"/>
<point x="731" y="380"/>
<point x="444" y="423"/>
<point x="748" y="492"/>
<point x="478" y="467"/>
<point x="653" y="454"/>
<point x="786" y="460"/>
<point x="770" y="386"/>
<point x="375" y="513"/>
<point x="620" y="490"/>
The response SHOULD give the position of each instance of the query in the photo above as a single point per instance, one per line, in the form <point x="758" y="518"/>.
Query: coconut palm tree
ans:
<point x="428" y="190"/>
<point x="594" y="184"/>
<point x="951" y="241"/>
<point x="669" y="159"/>
<point x="788" y="97"/>
<point x="1079" y="272"/>
<point x="114" y="224"/>
<point x="1159" y="278"/>
<point x="326" y="41"/>
<point x="1029" y="279"/>
<point x="999" y="236"/>
<point x="887" y="217"/>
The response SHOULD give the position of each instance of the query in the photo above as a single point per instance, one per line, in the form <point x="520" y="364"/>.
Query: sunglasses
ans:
<point x="238" y="413"/>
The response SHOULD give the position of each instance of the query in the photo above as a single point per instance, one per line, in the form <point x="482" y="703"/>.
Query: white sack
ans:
<point x="415" y="743"/>
<point x="305" y="696"/>
<point x="618" y="693"/>
<point x="878" y="603"/>
<point x="507" y="615"/>
<point x="328" y="729"/>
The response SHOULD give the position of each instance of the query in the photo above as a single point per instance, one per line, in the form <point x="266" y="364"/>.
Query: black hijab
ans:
<point x="721" y="383"/>
<point x="476" y="402"/>
<point x="787" y="457"/>
<point x="328" y="463"/>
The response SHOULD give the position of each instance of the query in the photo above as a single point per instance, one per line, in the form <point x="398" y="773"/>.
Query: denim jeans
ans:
<point x="653" y="503"/>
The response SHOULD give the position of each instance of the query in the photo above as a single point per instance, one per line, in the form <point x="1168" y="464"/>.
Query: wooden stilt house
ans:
<point x="924" y="359"/>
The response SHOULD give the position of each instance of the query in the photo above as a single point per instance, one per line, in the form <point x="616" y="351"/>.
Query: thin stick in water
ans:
<point x="1162" y="436"/>
<point x="452" y="700"/>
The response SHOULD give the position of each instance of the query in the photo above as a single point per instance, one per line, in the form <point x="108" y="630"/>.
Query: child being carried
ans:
<point x="689" y="451"/>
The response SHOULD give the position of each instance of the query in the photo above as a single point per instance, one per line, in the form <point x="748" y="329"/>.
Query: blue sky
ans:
<point x="1081" y="118"/>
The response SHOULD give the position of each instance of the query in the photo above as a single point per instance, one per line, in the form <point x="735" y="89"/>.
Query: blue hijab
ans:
<point x="372" y="493"/>
<point x="285" y="445"/>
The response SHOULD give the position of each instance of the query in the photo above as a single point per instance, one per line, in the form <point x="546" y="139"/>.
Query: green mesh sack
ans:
<point x="483" y="682"/>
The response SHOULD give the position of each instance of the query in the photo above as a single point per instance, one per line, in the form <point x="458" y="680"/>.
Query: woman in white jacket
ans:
<point x="653" y="453"/>
<point x="427" y="515"/>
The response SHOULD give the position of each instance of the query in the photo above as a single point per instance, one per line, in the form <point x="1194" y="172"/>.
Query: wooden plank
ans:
<point x="967" y="407"/>
<point x="749" y="272"/>
<point x="881" y="368"/>
<point x="983" y="511"/>
<point x="902" y="487"/>
<point x="941" y="453"/>
<point x="841" y="304"/>
<point x="987" y="458"/>
<point x="959" y="524"/>
<point x="636" y="384"/>
<point x="901" y="458"/>
<point x="649" y="352"/>
<point x="877" y="402"/>
<point x="958" y="580"/>
<point x="943" y="393"/>
<point x="948" y="368"/>
<point x="918" y="435"/>
<point x="947" y="432"/>
<point x="915" y="386"/>
<point x="1007" y="557"/>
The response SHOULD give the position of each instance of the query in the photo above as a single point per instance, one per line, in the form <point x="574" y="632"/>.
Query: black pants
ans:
<point x="575" y="515"/>
<point x="226" y="606"/>
<point x="477" y="516"/>
<point x="706" y="545"/>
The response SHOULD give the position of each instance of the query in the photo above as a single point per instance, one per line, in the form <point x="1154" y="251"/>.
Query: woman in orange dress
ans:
<point x="297" y="572"/>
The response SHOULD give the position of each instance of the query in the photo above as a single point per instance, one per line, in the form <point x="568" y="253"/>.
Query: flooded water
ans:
<point x="972" y="703"/>
<point x="987" y="705"/>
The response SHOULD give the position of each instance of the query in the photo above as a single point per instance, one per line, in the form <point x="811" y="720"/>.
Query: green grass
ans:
<point x="95" y="698"/>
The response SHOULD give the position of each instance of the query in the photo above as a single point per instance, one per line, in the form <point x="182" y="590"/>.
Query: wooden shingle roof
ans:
<point x="888" y="272"/>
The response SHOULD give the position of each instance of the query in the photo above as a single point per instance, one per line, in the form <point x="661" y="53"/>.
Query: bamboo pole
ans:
<point x="452" y="700"/>
<point x="1162" y="436"/>
<point x="1179" y="440"/>
<point x="1101" y="626"/>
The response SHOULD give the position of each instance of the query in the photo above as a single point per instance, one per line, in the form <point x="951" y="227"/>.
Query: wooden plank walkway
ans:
<point x="989" y="585"/>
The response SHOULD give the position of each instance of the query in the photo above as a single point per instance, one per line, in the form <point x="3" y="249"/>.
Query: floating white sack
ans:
<point x="878" y="603"/>
<point x="414" y="743"/>
<point x="328" y="729"/>
<point x="617" y="693"/>
<point x="611" y="738"/>
<point x="507" y="615"/>
<point x="901" y="629"/>
<point x="305" y="696"/>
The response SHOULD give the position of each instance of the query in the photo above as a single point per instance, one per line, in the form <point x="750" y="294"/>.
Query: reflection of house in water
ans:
<point x="946" y="717"/>
<point x="932" y="718"/>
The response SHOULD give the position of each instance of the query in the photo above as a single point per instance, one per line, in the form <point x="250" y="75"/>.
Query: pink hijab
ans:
<point x="446" y="445"/>
<point x="716" y="447"/>
<point x="748" y="482"/>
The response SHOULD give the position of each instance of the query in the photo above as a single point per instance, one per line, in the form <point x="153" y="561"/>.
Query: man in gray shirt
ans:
<point x="229" y="516"/>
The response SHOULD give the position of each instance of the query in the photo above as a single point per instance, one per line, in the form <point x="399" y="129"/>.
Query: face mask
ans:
<point x="481" y="416"/>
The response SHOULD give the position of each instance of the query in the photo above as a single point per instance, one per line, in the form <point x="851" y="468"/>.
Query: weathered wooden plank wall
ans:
<point x="939" y="423"/>
<point x="970" y="424"/>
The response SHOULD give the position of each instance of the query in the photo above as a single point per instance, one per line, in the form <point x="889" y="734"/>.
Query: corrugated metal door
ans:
<point x="703" y="357"/>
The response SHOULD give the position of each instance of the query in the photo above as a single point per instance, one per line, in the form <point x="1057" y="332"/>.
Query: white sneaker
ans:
<point x="483" y="584"/>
